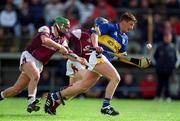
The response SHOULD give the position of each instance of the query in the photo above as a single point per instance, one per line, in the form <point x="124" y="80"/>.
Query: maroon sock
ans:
<point x="55" y="106"/>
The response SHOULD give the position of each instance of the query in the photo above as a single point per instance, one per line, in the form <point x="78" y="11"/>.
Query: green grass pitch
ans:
<point x="14" y="109"/>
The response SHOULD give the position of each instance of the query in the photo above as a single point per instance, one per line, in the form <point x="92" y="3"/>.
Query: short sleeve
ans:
<point x="44" y="29"/>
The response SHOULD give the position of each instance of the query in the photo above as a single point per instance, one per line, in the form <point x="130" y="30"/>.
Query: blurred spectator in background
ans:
<point x="37" y="13"/>
<point x="133" y="4"/>
<point x="53" y="9"/>
<point x="13" y="4"/>
<point x="167" y="28"/>
<point x="162" y="27"/>
<point x="144" y="4"/>
<point x="148" y="87"/>
<point x="157" y="32"/>
<point x="172" y="4"/>
<point x="8" y="19"/>
<point x="73" y="16"/>
<point x="72" y="13"/>
<point x="105" y="10"/>
<point x="86" y="9"/>
<point x="175" y="23"/>
<point x="129" y="87"/>
<point x="78" y="11"/>
<point x="25" y="22"/>
<point x="25" y="29"/>
<point x="165" y="58"/>
<point x="18" y="3"/>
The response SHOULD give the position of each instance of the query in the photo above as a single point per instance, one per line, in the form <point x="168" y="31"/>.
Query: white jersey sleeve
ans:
<point x="44" y="29"/>
<point x="77" y="33"/>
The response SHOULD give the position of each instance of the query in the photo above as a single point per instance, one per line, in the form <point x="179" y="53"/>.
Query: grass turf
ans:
<point x="89" y="110"/>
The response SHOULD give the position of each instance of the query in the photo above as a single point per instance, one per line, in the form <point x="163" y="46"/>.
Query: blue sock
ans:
<point x="106" y="102"/>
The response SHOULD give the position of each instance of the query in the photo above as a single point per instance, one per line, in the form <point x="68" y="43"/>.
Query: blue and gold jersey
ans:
<point x="111" y="39"/>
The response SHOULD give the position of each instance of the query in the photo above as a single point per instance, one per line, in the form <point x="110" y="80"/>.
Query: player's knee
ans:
<point x="116" y="79"/>
<point x="36" y="77"/>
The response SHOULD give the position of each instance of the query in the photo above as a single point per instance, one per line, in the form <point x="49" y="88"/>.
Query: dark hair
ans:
<point x="127" y="16"/>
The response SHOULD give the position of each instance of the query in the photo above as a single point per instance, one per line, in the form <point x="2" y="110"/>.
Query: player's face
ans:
<point x="65" y="29"/>
<point x="61" y="29"/>
<point x="128" y="25"/>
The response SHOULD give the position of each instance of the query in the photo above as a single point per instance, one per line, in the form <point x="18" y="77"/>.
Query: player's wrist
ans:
<point x="60" y="48"/>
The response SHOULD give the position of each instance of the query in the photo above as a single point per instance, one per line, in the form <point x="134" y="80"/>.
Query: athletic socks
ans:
<point x="106" y="102"/>
<point x="56" y="96"/>
<point x="31" y="99"/>
<point x="1" y="96"/>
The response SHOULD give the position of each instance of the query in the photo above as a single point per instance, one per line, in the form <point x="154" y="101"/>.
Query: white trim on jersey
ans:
<point x="77" y="33"/>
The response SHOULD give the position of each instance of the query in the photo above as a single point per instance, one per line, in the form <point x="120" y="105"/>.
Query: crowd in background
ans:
<point x="20" y="19"/>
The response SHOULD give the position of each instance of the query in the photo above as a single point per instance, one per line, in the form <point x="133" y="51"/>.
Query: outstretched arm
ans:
<point x="50" y="43"/>
<point x="46" y="41"/>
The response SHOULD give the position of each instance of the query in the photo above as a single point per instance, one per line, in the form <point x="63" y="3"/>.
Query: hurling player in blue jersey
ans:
<point x="113" y="38"/>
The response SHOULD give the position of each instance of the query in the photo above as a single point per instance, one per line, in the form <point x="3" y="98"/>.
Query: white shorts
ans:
<point x="93" y="60"/>
<point x="27" y="57"/>
<point x="72" y="67"/>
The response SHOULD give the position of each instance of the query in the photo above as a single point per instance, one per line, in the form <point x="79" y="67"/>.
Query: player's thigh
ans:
<point x="89" y="78"/>
<point x="31" y="70"/>
<point x="108" y="70"/>
<point x="79" y="74"/>
<point x="72" y="80"/>
<point x="75" y="77"/>
<point x="22" y="81"/>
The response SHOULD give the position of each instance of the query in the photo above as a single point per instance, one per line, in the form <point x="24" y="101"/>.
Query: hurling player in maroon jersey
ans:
<point x="80" y="41"/>
<point x="46" y="42"/>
